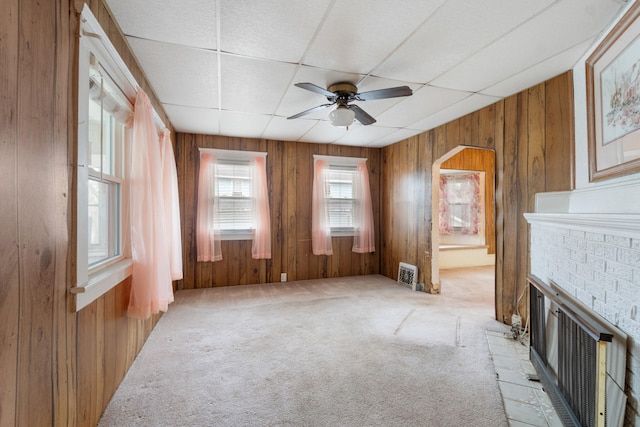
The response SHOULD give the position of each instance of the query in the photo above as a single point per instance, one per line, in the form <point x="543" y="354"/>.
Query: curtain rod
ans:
<point x="221" y="152"/>
<point x="339" y="159"/>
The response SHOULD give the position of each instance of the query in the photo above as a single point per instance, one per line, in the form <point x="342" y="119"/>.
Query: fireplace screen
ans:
<point x="580" y="358"/>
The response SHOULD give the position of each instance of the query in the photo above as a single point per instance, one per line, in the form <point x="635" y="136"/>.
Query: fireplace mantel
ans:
<point x="618" y="198"/>
<point x="626" y="225"/>
<point x="608" y="209"/>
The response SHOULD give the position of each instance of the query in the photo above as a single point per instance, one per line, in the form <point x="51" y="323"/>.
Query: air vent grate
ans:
<point x="407" y="275"/>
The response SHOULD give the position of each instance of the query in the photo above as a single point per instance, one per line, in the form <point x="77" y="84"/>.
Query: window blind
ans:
<point x="340" y="196"/>
<point x="233" y="196"/>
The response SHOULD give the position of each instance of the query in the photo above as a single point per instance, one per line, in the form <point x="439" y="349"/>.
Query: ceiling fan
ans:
<point x="342" y="94"/>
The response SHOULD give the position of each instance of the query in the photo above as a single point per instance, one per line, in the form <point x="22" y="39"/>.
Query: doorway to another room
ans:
<point x="463" y="209"/>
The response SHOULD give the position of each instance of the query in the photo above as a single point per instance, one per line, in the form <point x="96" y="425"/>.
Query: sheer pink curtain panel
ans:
<point x="364" y="237"/>
<point x="171" y="205"/>
<point x="208" y="247"/>
<point x="444" y="223"/>
<point x="261" y="247"/>
<point x="474" y="198"/>
<point x="151" y="288"/>
<point x="320" y="230"/>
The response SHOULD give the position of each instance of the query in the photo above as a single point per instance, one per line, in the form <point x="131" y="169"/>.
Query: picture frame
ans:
<point x="613" y="101"/>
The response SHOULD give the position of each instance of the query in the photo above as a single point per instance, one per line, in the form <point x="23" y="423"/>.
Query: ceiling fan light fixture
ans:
<point x="344" y="93"/>
<point x="342" y="116"/>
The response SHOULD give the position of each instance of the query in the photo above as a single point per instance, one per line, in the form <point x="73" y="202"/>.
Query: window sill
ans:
<point x="459" y="247"/>
<point x="102" y="281"/>
<point x="237" y="235"/>
<point x="348" y="232"/>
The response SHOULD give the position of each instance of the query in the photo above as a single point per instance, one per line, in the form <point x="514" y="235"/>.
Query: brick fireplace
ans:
<point x="587" y="242"/>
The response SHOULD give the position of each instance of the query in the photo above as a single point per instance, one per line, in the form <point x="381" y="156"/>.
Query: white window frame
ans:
<point x="337" y="163"/>
<point x="92" y="283"/>
<point x="230" y="157"/>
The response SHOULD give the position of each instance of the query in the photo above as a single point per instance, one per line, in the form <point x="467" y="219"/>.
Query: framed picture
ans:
<point x="613" y="101"/>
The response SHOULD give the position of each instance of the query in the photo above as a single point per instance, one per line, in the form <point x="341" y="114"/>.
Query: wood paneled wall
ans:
<point x="56" y="367"/>
<point x="33" y="224"/>
<point x="289" y="177"/>
<point x="107" y="343"/>
<point x="405" y="213"/>
<point x="532" y="135"/>
<point x="480" y="160"/>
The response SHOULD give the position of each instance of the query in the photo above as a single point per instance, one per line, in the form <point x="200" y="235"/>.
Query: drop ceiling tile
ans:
<point x="234" y="123"/>
<point x="296" y="99"/>
<point x="539" y="72"/>
<point x="369" y="83"/>
<point x="364" y="135"/>
<point x="279" y="30"/>
<point x="282" y="129"/>
<point x="453" y="33"/>
<point x="392" y="138"/>
<point x="358" y="34"/>
<point x="424" y="102"/>
<point x="191" y="22"/>
<point x="459" y="109"/>
<point x="539" y="39"/>
<point x="179" y="75"/>
<point x="254" y="85"/>
<point x="325" y="133"/>
<point x="193" y="120"/>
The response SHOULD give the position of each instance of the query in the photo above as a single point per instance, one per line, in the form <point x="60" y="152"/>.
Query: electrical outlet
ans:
<point x="283" y="277"/>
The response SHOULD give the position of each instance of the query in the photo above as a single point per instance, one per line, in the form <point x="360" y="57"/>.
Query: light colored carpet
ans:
<point x="356" y="351"/>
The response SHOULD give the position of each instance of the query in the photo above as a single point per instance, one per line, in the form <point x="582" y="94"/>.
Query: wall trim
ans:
<point x="627" y="225"/>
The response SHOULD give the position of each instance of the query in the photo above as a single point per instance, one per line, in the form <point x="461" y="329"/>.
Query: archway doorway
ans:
<point x="463" y="211"/>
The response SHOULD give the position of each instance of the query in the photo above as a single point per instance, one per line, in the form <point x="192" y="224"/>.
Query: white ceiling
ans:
<point x="228" y="67"/>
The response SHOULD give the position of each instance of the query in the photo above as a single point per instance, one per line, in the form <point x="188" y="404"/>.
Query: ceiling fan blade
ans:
<point x="392" y="92"/>
<point x="361" y="115"/>
<point x="310" y="110"/>
<point x="316" y="89"/>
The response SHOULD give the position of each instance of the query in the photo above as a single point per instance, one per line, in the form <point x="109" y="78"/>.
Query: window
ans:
<point x="461" y="200"/>
<point x="341" y="199"/>
<point x="104" y="91"/>
<point x="233" y="202"/>
<point x="232" y="194"/>
<point x="126" y="180"/>
<point x="105" y="143"/>
<point x="341" y="204"/>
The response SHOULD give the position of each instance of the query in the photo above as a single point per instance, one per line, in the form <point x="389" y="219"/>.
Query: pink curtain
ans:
<point x="320" y="230"/>
<point x="151" y="289"/>
<point x="171" y="205"/>
<point x="364" y="237"/>
<point x="461" y="190"/>
<point x="444" y="223"/>
<point x="473" y="196"/>
<point x="208" y="246"/>
<point x="261" y="247"/>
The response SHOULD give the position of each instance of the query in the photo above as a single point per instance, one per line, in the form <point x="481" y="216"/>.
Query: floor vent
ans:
<point x="408" y="275"/>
